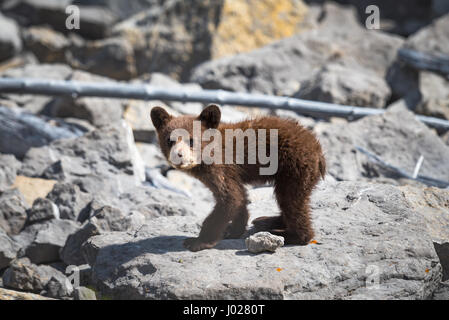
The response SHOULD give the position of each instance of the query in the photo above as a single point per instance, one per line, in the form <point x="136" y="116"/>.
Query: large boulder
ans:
<point x="247" y="25"/>
<point x="172" y="37"/>
<point x="346" y="85"/>
<point x="397" y="137"/>
<point x="104" y="219"/>
<point x="41" y="242"/>
<point x="26" y="276"/>
<point x="102" y="162"/>
<point x="369" y="245"/>
<point x="433" y="204"/>
<point x="112" y="57"/>
<point x="281" y="67"/>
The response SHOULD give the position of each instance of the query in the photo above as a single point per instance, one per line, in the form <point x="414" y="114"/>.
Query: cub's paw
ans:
<point x="195" y="244"/>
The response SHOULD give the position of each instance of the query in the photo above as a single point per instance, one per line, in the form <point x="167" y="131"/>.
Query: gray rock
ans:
<point x="112" y="57"/>
<point x="104" y="162"/>
<point x="397" y="137"/>
<point x="347" y="85"/>
<point x="12" y="211"/>
<point x="153" y="202"/>
<point x="41" y="242"/>
<point x="281" y="67"/>
<point x="26" y="276"/>
<point x="42" y="209"/>
<point x="30" y="12"/>
<point x="434" y="95"/>
<point x="442" y="251"/>
<point x="58" y="287"/>
<point x="400" y="17"/>
<point x="98" y="111"/>
<point x="445" y="138"/>
<point x="113" y="219"/>
<point x="103" y="220"/>
<point x="433" y="204"/>
<point x="136" y="115"/>
<point x="21" y="131"/>
<point x="35" y="103"/>
<point x="181" y="30"/>
<point x="8" y="250"/>
<point x="433" y="38"/>
<point x="370" y="244"/>
<point x="71" y="252"/>
<point x="95" y="21"/>
<point x="263" y="241"/>
<point x="70" y="200"/>
<point x="442" y="293"/>
<point x="48" y="45"/>
<point x="121" y="8"/>
<point x="151" y="155"/>
<point x="10" y="42"/>
<point x="83" y="293"/>
<point x="8" y="170"/>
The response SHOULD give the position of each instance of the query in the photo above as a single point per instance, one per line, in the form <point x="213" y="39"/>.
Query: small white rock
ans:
<point x="263" y="241"/>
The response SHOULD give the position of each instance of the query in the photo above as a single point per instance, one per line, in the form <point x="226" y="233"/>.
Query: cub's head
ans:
<point x="180" y="137"/>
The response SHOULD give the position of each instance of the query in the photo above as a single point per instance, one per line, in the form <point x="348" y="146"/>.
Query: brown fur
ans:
<point x="300" y="165"/>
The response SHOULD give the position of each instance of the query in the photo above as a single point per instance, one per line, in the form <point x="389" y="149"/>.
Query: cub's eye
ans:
<point x="170" y="142"/>
<point x="191" y="143"/>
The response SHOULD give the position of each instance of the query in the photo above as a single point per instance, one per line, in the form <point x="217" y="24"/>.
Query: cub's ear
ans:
<point x="160" y="117"/>
<point x="211" y="116"/>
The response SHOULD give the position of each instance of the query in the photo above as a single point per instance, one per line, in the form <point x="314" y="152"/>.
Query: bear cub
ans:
<point x="299" y="166"/>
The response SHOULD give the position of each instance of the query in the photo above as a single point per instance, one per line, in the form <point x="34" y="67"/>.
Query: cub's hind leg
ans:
<point x="268" y="222"/>
<point x="237" y="227"/>
<point x="293" y="199"/>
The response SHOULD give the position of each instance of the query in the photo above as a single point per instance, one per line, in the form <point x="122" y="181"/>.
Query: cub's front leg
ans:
<point x="212" y="229"/>
<point x="228" y="208"/>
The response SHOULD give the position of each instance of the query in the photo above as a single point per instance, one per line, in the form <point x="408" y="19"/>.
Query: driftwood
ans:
<point x="426" y="180"/>
<point x="145" y="92"/>
<point x="438" y="63"/>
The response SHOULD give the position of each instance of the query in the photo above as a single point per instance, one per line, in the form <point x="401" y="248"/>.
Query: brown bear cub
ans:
<point x="299" y="163"/>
